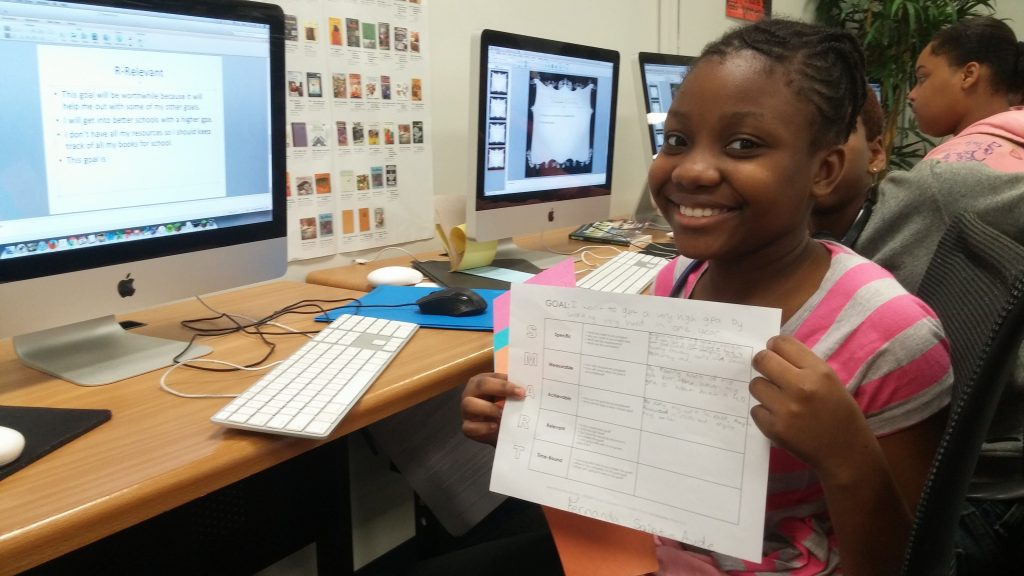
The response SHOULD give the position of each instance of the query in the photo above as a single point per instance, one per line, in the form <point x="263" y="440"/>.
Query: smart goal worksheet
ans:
<point x="637" y="412"/>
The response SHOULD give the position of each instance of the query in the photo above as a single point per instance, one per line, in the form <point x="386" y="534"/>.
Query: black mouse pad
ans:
<point x="46" y="429"/>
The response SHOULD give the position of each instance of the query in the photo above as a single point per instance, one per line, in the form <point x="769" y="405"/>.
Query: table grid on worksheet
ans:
<point x="606" y="419"/>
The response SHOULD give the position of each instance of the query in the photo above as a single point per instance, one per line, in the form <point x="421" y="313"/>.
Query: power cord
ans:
<point x="251" y="327"/>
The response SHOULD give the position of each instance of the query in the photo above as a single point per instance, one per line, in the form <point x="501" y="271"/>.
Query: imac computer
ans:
<point x="660" y="77"/>
<point x="544" y="117"/>
<point x="143" y="162"/>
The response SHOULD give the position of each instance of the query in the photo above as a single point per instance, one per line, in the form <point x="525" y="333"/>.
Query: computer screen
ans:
<point x="143" y="160"/>
<point x="660" y="77"/>
<point x="545" y="123"/>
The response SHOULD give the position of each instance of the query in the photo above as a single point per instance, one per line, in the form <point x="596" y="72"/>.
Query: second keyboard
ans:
<point x="624" y="273"/>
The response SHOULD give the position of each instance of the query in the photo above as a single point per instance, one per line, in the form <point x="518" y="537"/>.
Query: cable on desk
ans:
<point x="383" y="250"/>
<point x="189" y="363"/>
<point x="252" y="327"/>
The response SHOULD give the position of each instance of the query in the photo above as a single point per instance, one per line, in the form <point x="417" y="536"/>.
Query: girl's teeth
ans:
<point x="699" y="212"/>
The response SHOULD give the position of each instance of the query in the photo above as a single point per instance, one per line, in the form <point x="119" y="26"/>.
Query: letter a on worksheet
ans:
<point x="637" y="412"/>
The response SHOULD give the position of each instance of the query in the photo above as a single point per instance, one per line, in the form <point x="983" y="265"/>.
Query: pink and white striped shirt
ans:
<point x="889" y="348"/>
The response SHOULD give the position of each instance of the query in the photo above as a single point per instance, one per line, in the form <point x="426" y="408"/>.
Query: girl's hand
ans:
<point x="482" y="401"/>
<point x="804" y="408"/>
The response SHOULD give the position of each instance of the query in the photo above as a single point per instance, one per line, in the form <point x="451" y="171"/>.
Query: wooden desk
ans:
<point x="160" y="451"/>
<point x="353" y="277"/>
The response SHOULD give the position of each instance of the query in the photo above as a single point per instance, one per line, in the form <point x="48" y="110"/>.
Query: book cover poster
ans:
<point x="323" y="182"/>
<point x="291" y="28"/>
<point x="341" y="128"/>
<point x="318" y="134"/>
<point x="347" y="181"/>
<point x="326" y="225"/>
<point x="304" y="185"/>
<point x="356" y="79"/>
<point x="307" y="228"/>
<point x="401" y="39"/>
<point x="348" y="222"/>
<point x="296" y="84"/>
<point x="352" y="32"/>
<point x="313" y="83"/>
<point x="364" y="219"/>
<point x="369" y="35"/>
<point x="299" y="139"/>
<point x="339" y="85"/>
<point x="355" y="85"/>
<point x="334" y="24"/>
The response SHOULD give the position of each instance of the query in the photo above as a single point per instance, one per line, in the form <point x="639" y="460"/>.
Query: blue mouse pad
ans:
<point x="390" y="295"/>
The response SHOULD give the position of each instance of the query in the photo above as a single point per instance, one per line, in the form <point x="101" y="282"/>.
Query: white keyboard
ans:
<point x="624" y="273"/>
<point x="308" y="394"/>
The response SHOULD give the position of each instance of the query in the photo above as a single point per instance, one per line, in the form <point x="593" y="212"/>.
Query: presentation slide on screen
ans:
<point x="129" y="128"/>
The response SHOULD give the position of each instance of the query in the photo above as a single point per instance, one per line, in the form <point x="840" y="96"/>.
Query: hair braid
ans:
<point x="825" y="67"/>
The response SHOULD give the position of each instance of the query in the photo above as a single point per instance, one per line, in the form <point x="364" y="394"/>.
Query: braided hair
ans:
<point x="987" y="41"/>
<point x="825" y="68"/>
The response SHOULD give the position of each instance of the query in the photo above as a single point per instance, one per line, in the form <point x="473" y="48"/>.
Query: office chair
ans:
<point x="975" y="283"/>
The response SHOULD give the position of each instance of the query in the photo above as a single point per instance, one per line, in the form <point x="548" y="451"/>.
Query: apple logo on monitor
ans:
<point x="126" y="287"/>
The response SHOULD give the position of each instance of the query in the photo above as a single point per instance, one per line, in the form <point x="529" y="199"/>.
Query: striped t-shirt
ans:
<point x="888" y="347"/>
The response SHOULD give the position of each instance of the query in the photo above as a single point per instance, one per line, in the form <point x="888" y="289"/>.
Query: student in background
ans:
<point x="967" y="78"/>
<point x="851" y="399"/>
<point x="842" y="214"/>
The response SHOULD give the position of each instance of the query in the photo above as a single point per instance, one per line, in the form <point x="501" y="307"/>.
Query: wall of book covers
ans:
<point x="359" y="152"/>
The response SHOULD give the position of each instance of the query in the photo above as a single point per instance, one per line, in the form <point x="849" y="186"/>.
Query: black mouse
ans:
<point x="452" y="302"/>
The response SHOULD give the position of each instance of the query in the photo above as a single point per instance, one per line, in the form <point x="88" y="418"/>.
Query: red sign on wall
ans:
<point x="752" y="10"/>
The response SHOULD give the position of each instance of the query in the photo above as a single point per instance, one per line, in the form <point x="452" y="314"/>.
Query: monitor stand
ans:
<point x="507" y="249"/>
<point x="647" y="211"/>
<point x="98" y="352"/>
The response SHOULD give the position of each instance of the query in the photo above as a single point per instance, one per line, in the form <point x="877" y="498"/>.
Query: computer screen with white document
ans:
<point x="143" y="158"/>
<point x="545" y="125"/>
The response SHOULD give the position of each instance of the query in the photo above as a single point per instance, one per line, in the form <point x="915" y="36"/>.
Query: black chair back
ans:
<point x="975" y="283"/>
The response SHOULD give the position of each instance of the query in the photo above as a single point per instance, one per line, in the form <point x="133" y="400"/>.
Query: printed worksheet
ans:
<point x="637" y="413"/>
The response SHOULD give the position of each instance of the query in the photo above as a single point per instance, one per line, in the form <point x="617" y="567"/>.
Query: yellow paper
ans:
<point x="465" y="253"/>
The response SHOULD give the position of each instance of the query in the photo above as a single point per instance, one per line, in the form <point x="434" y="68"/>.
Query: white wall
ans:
<point x="679" y="26"/>
<point x="626" y="26"/>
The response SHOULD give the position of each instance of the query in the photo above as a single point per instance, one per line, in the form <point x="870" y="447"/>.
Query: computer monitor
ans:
<point x="143" y="162"/>
<point x="544" y="115"/>
<point x="660" y="75"/>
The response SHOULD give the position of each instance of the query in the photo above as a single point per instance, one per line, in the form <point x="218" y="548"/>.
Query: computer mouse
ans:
<point x="11" y="445"/>
<point x="394" y="276"/>
<point x="452" y="302"/>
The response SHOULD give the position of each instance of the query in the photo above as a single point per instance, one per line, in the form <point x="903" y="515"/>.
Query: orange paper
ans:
<point x="589" y="547"/>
